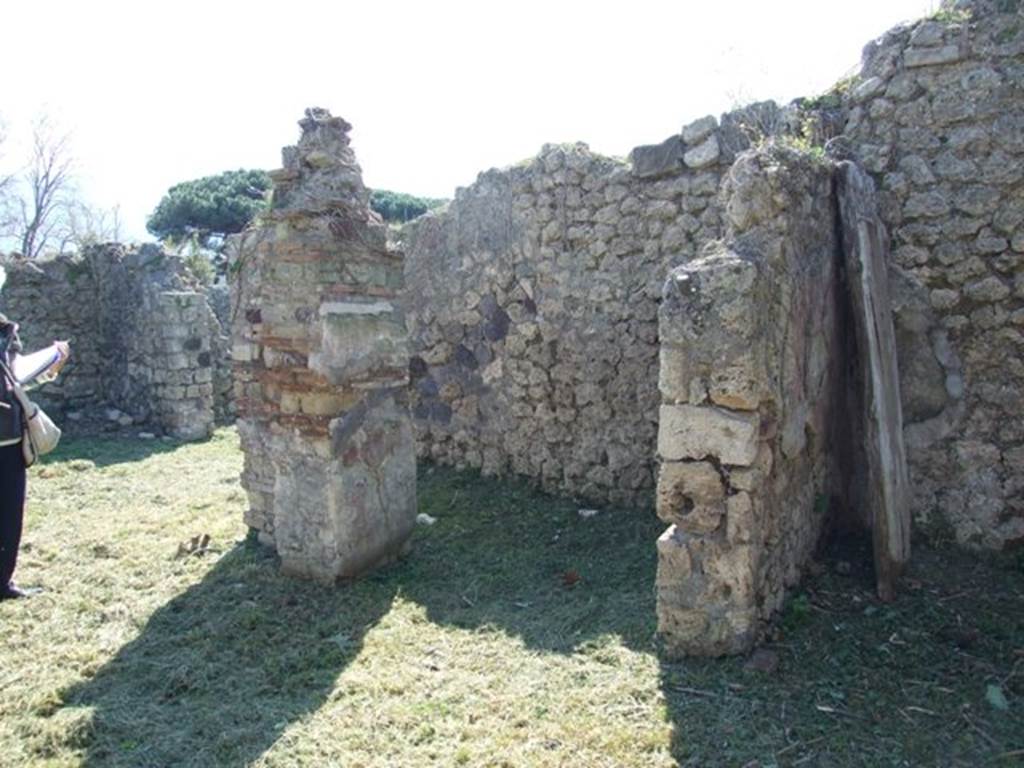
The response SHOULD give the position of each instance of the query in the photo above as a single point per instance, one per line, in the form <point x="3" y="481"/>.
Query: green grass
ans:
<point x="473" y="651"/>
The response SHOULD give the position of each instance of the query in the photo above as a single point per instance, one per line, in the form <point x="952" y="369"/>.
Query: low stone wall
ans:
<point x="144" y="339"/>
<point x="751" y="374"/>
<point x="321" y="367"/>
<point x="937" y="116"/>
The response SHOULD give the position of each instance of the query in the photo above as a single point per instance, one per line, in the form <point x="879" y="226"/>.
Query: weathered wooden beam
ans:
<point x="866" y="254"/>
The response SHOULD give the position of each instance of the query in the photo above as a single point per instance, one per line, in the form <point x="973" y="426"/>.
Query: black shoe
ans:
<point x="13" y="592"/>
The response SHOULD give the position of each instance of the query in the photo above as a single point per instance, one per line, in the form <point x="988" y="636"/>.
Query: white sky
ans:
<point x="157" y="93"/>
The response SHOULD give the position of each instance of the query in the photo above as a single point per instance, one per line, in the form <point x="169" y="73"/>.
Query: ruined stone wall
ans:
<point x="56" y="298"/>
<point x="532" y="307"/>
<point x="937" y="116"/>
<point x="219" y="298"/>
<point x="321" y="366"/>
<point x="752" y="356"/>
<point x="141" y="330"/>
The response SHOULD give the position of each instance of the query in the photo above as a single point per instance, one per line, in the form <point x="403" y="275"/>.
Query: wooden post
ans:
<point x="865" y="251"/>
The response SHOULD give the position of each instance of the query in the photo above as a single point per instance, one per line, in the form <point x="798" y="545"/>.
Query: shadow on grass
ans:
<point x="107" y="450"/>
<point x="232" y="661"/>
<point x="861" y="682"/>
<point x="220" y="671"/>
<point x="505" y="555"/>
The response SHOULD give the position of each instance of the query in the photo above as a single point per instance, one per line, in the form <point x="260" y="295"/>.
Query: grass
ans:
<point x="516" y="634"/>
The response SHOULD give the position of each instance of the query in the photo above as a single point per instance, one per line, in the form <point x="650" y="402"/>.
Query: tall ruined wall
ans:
<point x="321" y="366"/>
<point x="143" y="335"/>
<point x="532" y="307"/>
<point x="751" y="380"/>
<point x="937" y="116"/>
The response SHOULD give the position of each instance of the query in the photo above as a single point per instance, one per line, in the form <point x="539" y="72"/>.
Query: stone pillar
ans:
<point x="176" y="332"/>
<point x="321" y="366"/>
<point x="749" y="374"/>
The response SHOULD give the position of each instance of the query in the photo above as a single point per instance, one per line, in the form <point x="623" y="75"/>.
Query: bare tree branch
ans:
<point x="48" y="179"/>
<point x="89" y="224"/>
<point x="6" y="191"/>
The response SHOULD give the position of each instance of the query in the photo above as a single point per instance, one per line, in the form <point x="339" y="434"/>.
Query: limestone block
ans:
<point x="868" y="88"/>
<point x="752" y="477"/>
<point x="927" y="57"/>
<point x="695" y="432"/>
<point x="989" y="289"/>
<point x="697" y="481"/>
<point x="699" y="129"/>
<point x="177" y="362"/>
<point x="740" y="519"/>
<point x="710" y="321"/>
<point x="656" y="160"/>
<point x="704" y="154"/>
<point x="245" y="352"/>
<point x="697" y="612"/>
<point x="358" y="338"/>
<point x="368" y="495"/>
<point x="928" y="34"/>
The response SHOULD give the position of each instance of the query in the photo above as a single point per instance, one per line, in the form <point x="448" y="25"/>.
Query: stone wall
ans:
<point x="532" y="297"/>
<point x="145" y="342"/>
<point x="937" y="116"/>
<point x="219" y="299"/>
<point x="752" y="372"/>
<point x="57" y="298"/>
<point x="321" y="366"/>
<point x="532" y="306"/>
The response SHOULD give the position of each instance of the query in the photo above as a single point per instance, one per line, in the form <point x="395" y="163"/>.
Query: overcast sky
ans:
<point x="157" y="93"/>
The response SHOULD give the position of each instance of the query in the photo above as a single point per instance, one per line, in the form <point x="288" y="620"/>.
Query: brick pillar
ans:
<point x="321" y="366"/>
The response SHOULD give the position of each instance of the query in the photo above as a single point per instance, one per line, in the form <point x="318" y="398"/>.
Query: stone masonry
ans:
<point x="752" y="357"/>
<point x="532" y="308"/>
<point x="533" y="296"/>
<point x="546" y="342"/>
<point x="937" y="116"/>
<point x="321" y="366"/>
<point x="146" y="345"/>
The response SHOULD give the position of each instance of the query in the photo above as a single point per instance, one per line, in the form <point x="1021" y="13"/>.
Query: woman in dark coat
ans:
<point x="12" y="461"/>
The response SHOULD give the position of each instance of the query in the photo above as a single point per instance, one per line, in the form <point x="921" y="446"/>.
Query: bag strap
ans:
<point x="19" y="393"/>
